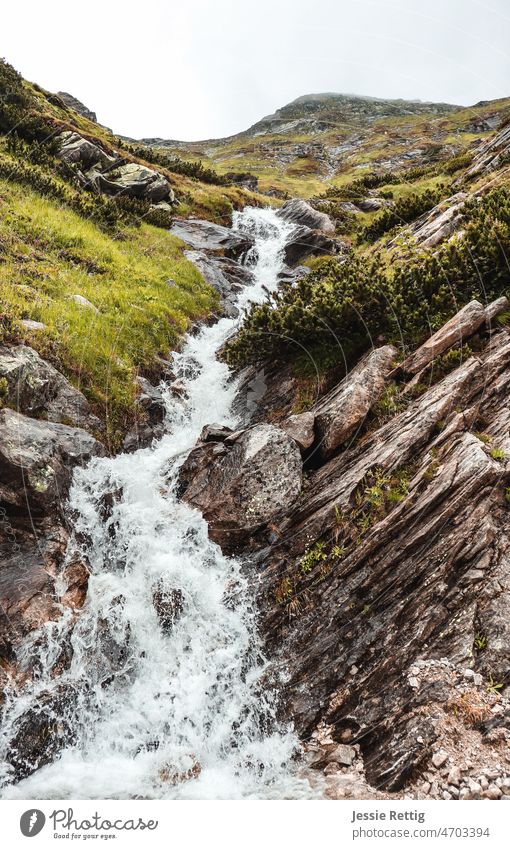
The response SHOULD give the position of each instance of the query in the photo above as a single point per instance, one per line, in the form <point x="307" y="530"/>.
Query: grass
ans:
<point x="49" y="253"/>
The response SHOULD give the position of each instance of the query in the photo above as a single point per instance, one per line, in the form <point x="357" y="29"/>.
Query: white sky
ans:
<point x="195" y="69"/>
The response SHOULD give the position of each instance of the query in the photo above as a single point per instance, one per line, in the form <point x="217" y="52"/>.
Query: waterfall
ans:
<point x="187" y="711"/>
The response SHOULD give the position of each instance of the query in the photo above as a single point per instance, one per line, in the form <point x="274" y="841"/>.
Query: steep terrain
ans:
<point x="350" y="474"/>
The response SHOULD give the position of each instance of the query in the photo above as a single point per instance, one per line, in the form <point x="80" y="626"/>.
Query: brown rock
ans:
<point x="339" y="413"/>
<point x="301" y="428"/>
<point x="245" y="485"/>
<point x="454" y="332"/>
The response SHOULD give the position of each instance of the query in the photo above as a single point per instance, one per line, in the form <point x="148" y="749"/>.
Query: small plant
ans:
<point x="312" y="556"/>
<point x="494" y="686"/>
<point x="337" y="551"/>
<point x="285" y="591"/>
<point x="498" y="454"/>
<point x="507" y="494"/>
<point x="4" y="391"/>
<point x="480" y="642"/>
<point x="389" y="404"/>
<point x="483" y="437"/>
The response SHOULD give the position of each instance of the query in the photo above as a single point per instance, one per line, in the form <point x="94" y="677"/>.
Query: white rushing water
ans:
<point x="167" y="702"/>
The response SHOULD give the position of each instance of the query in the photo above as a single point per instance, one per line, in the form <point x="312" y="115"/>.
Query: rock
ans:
<point x="495" y="308"/>
<point x="394" y="596"/>
<point x="226" y="276"/>
<point x="490" y="154"/>
<point x="301" y="428"/>
<point x="37" y="388"/>
<point x="215" y="433"/>
<point x="474" y="788"/>
<point x="441" y="222"/>
<point x="206" y="236"/>
<point x="305" y="242"/>
<point x="244" y="179"/>
<point x="455" y="332"/>
<point x="492" y="792"/>
<point x="454" y="776"/>
<point x="342" y="754"/>
<point x="30" y="325"/>
<point x="342" y="410"/>
<point x="133" y="180"/>
<point x="78" y="106"/>
<point x="151" y="400"/>
<point x="169" y="604"/>
<point x="37" y="459"/>
<point x="331" y="769"/>
<point x="42" y="732"/>
<point x="31" y="557"/>
<point x="371" y="204"/>
<point x="83" y="302"/>
<point x="243" y="486"/>
<point x="77" y="150"/>
<point x="300" y="212"/>
<point x="439" y="759"/>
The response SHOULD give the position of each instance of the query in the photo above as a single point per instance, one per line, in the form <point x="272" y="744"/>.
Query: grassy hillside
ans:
<point x="58" y="241"/>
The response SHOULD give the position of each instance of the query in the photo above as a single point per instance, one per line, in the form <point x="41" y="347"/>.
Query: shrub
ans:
<point x="346" y="305"/>
<point x="403" y="211"/>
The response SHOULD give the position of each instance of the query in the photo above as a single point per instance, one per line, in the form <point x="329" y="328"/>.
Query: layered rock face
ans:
<point x="383" y="588"/>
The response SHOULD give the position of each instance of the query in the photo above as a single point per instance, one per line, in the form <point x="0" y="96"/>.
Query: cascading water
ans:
<point x="177" y="712"/>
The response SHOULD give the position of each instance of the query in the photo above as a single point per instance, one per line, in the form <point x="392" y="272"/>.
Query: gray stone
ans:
<point x="37" y="388"/>
<point x="301" y="428"/>
<point x="300" y="212"/>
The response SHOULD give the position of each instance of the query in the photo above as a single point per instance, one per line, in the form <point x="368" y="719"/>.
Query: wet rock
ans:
<point x="225" y="275"/>
<point x="206" y="236"/>
<point x="245" y="485"/>
<point x="215" y="433"/>
<point x="37" y="460"/>
<point x="177" y="775"/>
<point x="339" y="413"/>
<point x="36" y="388"/>
<point x="42" y="732"/>
<point x="169" y="604"/>
<point x="300" y="212"/>
<point x="151" y="401"/>
<point x="455" y="332"/>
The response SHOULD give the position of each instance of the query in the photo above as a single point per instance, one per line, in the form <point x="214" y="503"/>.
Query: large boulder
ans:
<point x="37" y="460"/>
<point x="455" y="332"/>
<point x="342" y="410"/>
<point x="36" y="388"/>
<point x="243" y="482"/>
<point x="304" y="242"/>
<point x="77" y="150"/>
<point x="206" y="236"/>
<point x="133" y="180"/>
<point x="300" y="212"/>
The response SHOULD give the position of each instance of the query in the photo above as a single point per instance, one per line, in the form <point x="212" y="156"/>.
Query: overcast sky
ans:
<point x="194" y="69"/>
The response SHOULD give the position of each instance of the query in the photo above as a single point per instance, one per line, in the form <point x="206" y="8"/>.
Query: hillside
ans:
<point x="66" y="241"/>
<point x="322" y="141"/>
